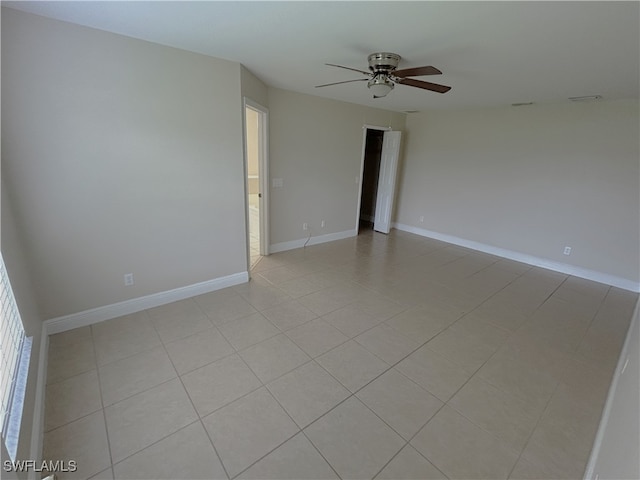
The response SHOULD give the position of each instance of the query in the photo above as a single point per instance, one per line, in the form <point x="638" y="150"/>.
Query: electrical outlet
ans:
<point x="322" y="224"/>
<point x="128" y="279"/>
<point x="567" y="251"/>
<point x="421" y="218"/>
<point x="305" y="226"/>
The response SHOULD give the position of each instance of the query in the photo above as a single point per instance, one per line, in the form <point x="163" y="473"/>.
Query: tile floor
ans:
<point x="384" y="357"/>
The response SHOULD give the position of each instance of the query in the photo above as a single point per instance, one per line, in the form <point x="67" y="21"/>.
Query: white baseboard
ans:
<point x="37" y="427"/>
<point x="329" y="237"/>
<point x="89" y="317"/>
<point x="600" y="277"/>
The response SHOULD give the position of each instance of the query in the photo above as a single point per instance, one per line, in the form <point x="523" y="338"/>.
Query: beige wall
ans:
<point x="22" y="286"/>
<point x="316" y="148"/>
<point x="253" y="88"/>
<point x="531" y="180"/>
<point x="122" y="156"/>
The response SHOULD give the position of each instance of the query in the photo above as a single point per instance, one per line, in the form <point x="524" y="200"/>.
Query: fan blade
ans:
<point x="434" y="87"/>
<point x="416" y="72"/>
<point x="348" y="68"/>
<point x="346" y="81"/>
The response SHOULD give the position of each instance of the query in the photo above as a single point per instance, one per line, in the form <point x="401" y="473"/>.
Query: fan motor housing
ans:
<point x="383" y="62"/>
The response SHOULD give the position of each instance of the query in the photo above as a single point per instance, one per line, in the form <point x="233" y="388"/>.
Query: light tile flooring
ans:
<point x="254" y="232"/>
<point x="383" y="357"/>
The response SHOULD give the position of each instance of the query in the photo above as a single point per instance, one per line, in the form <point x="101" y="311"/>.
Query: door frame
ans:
<point x="263" y="174"/>
<point x="360" y="179"/>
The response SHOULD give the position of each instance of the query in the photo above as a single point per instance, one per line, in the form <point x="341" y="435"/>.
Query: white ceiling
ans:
<point x="491" y="53"/>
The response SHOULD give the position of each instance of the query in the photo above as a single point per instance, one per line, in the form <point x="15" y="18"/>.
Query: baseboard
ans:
<point x="37" y="427"/>
<point x="89" y="317"/>
<point x="329" y="237"/>
<point x="585" y="273"/>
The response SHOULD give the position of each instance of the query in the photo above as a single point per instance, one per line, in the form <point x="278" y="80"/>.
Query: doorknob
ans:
<point x="259" y="195"/>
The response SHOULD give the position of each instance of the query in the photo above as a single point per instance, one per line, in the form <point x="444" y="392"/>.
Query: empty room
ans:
<point x="320" y="240"/>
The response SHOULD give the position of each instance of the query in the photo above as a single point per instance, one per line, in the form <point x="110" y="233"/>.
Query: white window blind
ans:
<point x="15" y="350"/>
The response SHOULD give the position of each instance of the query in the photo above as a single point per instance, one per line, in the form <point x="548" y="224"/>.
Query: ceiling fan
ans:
<point x="383" y="75"/>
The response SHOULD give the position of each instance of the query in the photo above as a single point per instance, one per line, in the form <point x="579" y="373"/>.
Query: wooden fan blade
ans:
<point x="346" y="81"/>
<point x="434" y="87"/>
<point x="416" y="72"/>
<point x="348" y="68"/>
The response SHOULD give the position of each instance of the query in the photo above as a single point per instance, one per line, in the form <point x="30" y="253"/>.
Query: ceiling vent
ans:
<point x="586" y="98"/>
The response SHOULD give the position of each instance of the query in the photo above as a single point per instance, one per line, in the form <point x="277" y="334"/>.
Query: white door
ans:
<point x="257" y="171"/>
<point x="387" y="181"/>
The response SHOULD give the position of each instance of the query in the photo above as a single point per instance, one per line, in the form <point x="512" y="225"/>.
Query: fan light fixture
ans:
<point x="384" y="74"/>
<point x="380" y="86"/>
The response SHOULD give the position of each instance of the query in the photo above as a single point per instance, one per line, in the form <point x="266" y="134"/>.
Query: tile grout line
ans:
<point x="300" y="429"/>
<point x="415" y="435"/>
<point x="162" y="343"/>
<point x="367" y="289"/>
<point x="465" y="383"/>
<point x="265" y="386"/>
<point x="104" y="410"/>
<point x="320" y="453"/>
<point x="145" y="349"/>
<point x="533" y="430"/>
<point x="584" y="335"/>
<point x="199" y="419"/>
<point x="441" y="332"/>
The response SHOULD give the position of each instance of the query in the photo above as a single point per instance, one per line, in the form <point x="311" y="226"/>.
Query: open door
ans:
<point x="387" y="181"/>
<point x="257" y="173"/>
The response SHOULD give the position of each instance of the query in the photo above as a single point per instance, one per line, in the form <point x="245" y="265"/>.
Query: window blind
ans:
<point x="15" y="350"/>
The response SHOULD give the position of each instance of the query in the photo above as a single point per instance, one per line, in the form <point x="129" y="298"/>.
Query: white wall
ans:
<point x="617" y="443"/>
<point x="531" y="180"/>
<point x="316" y="148"/>
<point x="122" y="156"/>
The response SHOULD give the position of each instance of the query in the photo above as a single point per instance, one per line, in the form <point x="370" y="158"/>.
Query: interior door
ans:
<point x="387" y="181"/>
<point x="257" y="171"/>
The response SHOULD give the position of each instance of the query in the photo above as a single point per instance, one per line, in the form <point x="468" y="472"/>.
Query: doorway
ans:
<point x="256" y="168"/>
<point x="370" y="174"/>
<point x="380" y="155"/>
